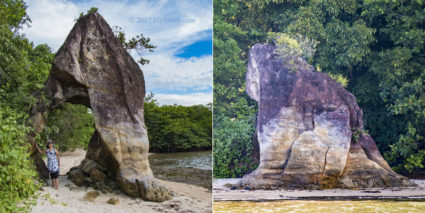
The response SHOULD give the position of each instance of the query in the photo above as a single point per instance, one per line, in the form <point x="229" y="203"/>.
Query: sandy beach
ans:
<point x="223" y="193"/>
<point x="71" y="198"/>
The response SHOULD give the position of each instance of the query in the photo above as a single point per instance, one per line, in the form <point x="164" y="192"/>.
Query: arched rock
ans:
<point x="93" y="69"/>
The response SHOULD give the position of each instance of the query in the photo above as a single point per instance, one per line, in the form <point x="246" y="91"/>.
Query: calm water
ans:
<point x="320" y="206"/>
<point x="199" y="160"/>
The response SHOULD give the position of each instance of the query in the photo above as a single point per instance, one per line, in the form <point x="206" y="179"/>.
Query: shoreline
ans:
<point x="223" y="193"/>
<point x="187" y="175"/>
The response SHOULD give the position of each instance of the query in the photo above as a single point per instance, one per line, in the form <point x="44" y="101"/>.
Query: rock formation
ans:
<point x="309" y="130"/>
<point x="93" y="69"/>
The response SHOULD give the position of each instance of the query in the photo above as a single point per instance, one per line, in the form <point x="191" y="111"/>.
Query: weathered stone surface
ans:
<point x="362" y="172"/>
<point x="309" y="150"/>
<point x="93" y="69"/>
<point x="304" y="129"/>
<point x="97" y="175"/>
<point x="87" y="165"/>
<point x="77" y="177"/>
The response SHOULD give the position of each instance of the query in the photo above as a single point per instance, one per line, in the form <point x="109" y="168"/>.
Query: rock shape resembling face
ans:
<point x="92" y="68"/>
<point x="305" y="125"/>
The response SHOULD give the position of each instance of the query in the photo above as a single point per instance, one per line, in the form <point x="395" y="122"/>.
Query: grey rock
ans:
<point x="92" y="68"/>
<point x="304" y="131"/>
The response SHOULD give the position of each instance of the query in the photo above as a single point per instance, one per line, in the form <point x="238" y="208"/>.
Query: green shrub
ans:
<point x="340" y="79"/>
<point x="293" y="48"/>
<point x="232" y="148"/>
<point x="92" y="10"/>
<point x="16" y="169"/>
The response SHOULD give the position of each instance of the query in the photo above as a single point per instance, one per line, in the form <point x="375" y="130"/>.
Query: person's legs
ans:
<point x="56" y="183"/>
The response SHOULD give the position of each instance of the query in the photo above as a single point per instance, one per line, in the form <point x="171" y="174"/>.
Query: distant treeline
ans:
<point x="175" y="128"/>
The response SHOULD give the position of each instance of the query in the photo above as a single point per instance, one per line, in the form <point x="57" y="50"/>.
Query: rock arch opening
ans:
<point x="70" y="126"/>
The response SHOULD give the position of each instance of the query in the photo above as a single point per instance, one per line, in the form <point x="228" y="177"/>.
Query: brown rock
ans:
<point x="92" y="68"/>
<point x="113" y="201"/>
<point x="77" y="177"/>
<point x="304" y="129"/>
<point x="91" y="196"/>
<point x="87" y="166"/>
<point x="97" y="175"/>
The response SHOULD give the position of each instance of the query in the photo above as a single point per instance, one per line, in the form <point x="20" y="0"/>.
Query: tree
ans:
<point x="174" y="128"/>
<point x="17" y="171"/>
<point x="19" y="61"/>
<point x="139" y="43"/>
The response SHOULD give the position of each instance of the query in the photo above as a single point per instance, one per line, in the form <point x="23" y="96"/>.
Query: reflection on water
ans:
<point x="199" y="160"/>
<point x="320" y="206"/>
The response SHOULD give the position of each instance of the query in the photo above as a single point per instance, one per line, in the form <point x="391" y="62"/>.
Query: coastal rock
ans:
<point x="92" y="68"/>
<point x="305" y="128"/>
<point x="87" y="165"/>
<point x="77" y="177"/>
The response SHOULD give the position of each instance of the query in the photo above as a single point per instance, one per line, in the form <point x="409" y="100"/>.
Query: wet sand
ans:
<point x="223" y="193"/>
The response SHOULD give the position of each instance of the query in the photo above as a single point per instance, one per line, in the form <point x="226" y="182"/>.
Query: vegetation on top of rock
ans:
<point x="293" y="48"/>
<point x="139" y="43"/>
<point x="92" y="10"/>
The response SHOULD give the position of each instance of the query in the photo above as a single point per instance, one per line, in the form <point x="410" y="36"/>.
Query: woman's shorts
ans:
<point x="54" y="175"/>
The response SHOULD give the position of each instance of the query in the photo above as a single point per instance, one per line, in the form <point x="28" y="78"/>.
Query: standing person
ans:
<point x="53" y="162"/>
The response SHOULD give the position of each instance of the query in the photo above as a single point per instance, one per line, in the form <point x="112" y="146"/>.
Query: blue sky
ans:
<point x="181" y="66"/>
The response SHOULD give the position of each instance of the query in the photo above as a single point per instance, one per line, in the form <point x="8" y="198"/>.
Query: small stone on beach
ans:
<point x="113" y="201"/>
<point x="91" y="196"/>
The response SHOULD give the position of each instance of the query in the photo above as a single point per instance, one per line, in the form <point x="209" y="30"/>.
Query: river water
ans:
<point x="320" y="206"/>
<point x="198" y="160"/>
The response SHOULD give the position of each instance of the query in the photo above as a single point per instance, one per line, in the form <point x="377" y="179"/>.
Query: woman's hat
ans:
<point x="49" y="142"/>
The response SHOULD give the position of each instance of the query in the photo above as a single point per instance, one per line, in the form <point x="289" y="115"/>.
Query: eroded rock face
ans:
<point x="92" y="68"/>
<point x="304" y="128"/>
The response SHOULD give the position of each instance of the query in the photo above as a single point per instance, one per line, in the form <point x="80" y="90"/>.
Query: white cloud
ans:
<point x="52" y="20"/>
<point x="185" y="100"/>
<point x="167" y="72"/>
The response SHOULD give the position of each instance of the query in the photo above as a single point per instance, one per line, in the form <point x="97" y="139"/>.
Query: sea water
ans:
<point x="320" y="206"/>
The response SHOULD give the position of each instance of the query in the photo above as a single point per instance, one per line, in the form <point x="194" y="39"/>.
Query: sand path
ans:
<point x="70" y="198"/>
